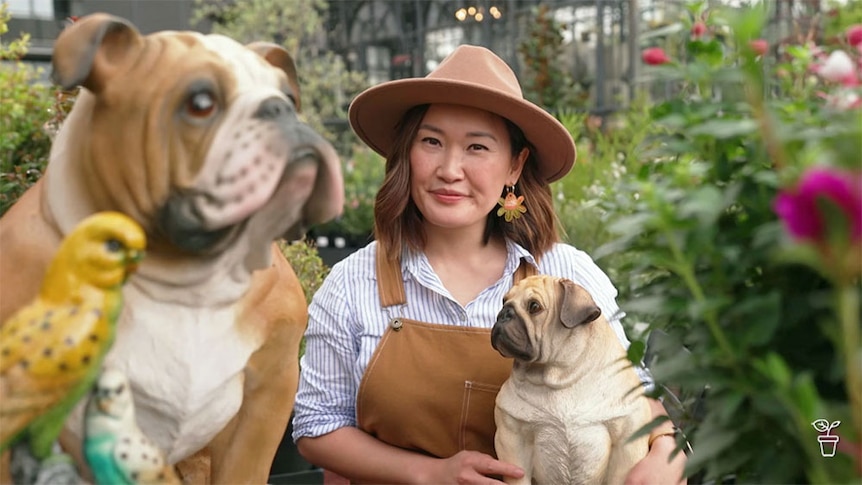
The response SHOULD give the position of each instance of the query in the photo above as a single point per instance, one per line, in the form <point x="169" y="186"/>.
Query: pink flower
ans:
<point x="839" y="68"/>
<point x="655" y="56"/>
<point x="759" y="46"/>
<point x="802" y="209"/>
<point x="854" y="35"/>
<point x="698" y="29"/>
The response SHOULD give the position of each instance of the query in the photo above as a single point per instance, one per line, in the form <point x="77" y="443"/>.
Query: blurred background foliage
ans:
<point x="26" y="107"/>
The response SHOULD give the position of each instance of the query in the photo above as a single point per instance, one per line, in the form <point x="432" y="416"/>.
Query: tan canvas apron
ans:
<point x="431" y="387"/>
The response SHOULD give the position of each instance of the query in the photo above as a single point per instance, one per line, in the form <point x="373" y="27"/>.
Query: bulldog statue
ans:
<point x="196" y="137"/>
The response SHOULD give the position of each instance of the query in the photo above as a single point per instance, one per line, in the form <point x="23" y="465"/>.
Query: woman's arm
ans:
<point x="656" y="467"/>
<point x="356" y="455"/>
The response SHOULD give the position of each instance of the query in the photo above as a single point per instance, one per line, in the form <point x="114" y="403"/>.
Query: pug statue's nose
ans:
<point x="505" y="314"/>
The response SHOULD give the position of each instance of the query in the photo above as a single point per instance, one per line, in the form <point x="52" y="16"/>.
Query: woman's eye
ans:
<point x="431" y="141"/>
<point x="201" y="104"/>
<point x="476" y="146"/>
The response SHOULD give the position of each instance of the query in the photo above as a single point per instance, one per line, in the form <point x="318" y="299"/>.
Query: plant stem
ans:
<point x="848" y="314"/>
<point x="686" y="272"/>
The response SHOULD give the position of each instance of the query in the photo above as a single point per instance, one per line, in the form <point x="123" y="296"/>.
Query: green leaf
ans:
<point x="704" y="203"/>
<point x="775" y="368"/>
<point x="717" y="441"/>
<point x="759" y="317"/>
<point x="635" y="352"/>
<point x="724" y="129"/>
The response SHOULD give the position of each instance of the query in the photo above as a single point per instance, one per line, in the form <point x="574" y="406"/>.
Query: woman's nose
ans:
<point x="451" y="166"/>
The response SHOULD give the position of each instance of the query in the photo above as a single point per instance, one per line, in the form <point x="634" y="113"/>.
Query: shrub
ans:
<point x="363" y="174"/>
<point x="306" y="263"/>
<point x="766" y="325"/>
<point x="27" y="106"/>
<point x="309" y="268"/>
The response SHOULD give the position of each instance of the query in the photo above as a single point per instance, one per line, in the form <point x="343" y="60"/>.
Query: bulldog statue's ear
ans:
<point x="280" y="58"/>
<point x="87" y="52"/>
<point x="577" y="306"/>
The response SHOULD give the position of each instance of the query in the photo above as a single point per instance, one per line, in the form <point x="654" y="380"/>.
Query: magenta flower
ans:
<point x="803" y="216"/>
<point x="854" y="35"/>
<point x="655" y="56"/>
<point x="698" y="29"/>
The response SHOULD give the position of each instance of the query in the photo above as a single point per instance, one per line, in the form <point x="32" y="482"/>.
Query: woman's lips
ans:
<point x="447" y="196"/>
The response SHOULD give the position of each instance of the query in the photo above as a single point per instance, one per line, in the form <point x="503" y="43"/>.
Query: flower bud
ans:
<point x="698" y="29"/>
<point x="759" y="46"/>
<point x="854" y="35"/>
<point x="655" y="56"/>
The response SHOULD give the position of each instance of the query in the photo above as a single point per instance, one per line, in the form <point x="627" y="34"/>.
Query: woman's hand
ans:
<point x="655" y="469"/>
<point x="471" y="467"/>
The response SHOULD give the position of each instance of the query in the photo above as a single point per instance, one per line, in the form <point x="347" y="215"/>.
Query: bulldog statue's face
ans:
<point x="196" y="137"/>
<point x="543" y="321"/>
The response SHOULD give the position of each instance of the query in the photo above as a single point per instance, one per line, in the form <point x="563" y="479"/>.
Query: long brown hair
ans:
<point x="397" y="219"/>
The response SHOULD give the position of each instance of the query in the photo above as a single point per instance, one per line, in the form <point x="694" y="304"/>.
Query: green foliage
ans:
<point x="309" y="268"/>
<point x="326" y="85"/>
<point x="27" y="106"/>
<point x="363" y="176"/>
<point x="544" y="81"/>
<point x="306" y="263"/>
<point x="609" y="150"/>
<point x="840" y="15"/>
<point x="706" y="260"/>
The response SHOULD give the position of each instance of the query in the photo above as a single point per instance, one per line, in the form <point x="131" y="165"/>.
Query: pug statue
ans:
<point x="573" y="400"/>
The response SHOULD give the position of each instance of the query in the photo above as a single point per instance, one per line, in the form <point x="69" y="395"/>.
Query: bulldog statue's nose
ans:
<point x="273" y="109"/>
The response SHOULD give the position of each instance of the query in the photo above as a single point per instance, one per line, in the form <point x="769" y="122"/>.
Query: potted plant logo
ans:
<point x="827" y="441"/>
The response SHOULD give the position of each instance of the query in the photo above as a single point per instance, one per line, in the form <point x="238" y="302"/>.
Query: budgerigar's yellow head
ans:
<point x="103" y="249"/>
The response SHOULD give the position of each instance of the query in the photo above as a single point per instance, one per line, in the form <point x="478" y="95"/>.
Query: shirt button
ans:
<point x="463" y="317"/>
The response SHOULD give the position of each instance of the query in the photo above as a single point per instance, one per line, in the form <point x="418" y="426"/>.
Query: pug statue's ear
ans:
<point x="577" y="306"/>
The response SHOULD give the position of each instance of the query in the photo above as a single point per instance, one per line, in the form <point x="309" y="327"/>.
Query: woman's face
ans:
<point x="460" y="161"/>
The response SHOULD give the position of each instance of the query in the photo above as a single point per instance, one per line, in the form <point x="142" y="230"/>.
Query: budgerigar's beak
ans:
<point x="135" y="256"/>
<point x="104" y="404"/>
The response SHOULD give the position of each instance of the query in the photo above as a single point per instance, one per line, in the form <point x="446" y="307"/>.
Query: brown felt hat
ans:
<point x="469" y="76"/>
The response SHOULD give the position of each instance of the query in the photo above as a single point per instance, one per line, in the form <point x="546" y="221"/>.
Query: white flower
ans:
<point x="838" y="67"/>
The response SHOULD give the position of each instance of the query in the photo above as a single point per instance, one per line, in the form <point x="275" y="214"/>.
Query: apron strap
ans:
<point x="390" y="283"/>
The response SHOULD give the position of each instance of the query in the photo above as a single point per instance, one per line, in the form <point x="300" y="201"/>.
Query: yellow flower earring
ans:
<point x="512" y="206"/>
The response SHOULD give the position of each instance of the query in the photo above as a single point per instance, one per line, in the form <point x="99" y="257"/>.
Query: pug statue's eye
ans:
<point x="534" y="307"/>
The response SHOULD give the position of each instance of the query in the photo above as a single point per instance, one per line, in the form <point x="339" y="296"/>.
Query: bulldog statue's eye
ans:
<point x="534" y="307"/>
<point x="201" y="104"/>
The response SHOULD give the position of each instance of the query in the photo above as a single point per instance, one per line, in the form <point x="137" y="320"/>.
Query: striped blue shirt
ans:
<point x="346" y="322"/>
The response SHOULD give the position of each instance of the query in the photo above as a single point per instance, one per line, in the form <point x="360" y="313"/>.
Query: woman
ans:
<point x="399" y="378"/>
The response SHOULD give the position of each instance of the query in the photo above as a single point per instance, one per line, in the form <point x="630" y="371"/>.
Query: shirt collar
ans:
<point x="416" y="263"/>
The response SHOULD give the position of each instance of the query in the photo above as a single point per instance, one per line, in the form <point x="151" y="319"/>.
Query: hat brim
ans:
<point x="375" y="113"/>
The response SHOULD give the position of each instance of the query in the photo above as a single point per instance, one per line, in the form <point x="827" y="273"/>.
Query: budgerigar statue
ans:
<point x="116" y="450"/>
<point x="51" y="350"/>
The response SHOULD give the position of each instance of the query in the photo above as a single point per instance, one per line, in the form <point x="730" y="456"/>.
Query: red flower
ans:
<point x="655" y="56"/>
<point x="802" y="208"/>
<point x="759" y="46"/>
<point x="698" y="29"/>
<point x="854" y="35"/>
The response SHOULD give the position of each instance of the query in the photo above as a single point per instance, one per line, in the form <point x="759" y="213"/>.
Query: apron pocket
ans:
<point x="477" y="428"/>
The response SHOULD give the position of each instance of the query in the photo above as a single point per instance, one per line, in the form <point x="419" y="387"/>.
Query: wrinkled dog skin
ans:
<point x="568" y="409"/>
<point x="197" y="138"/>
